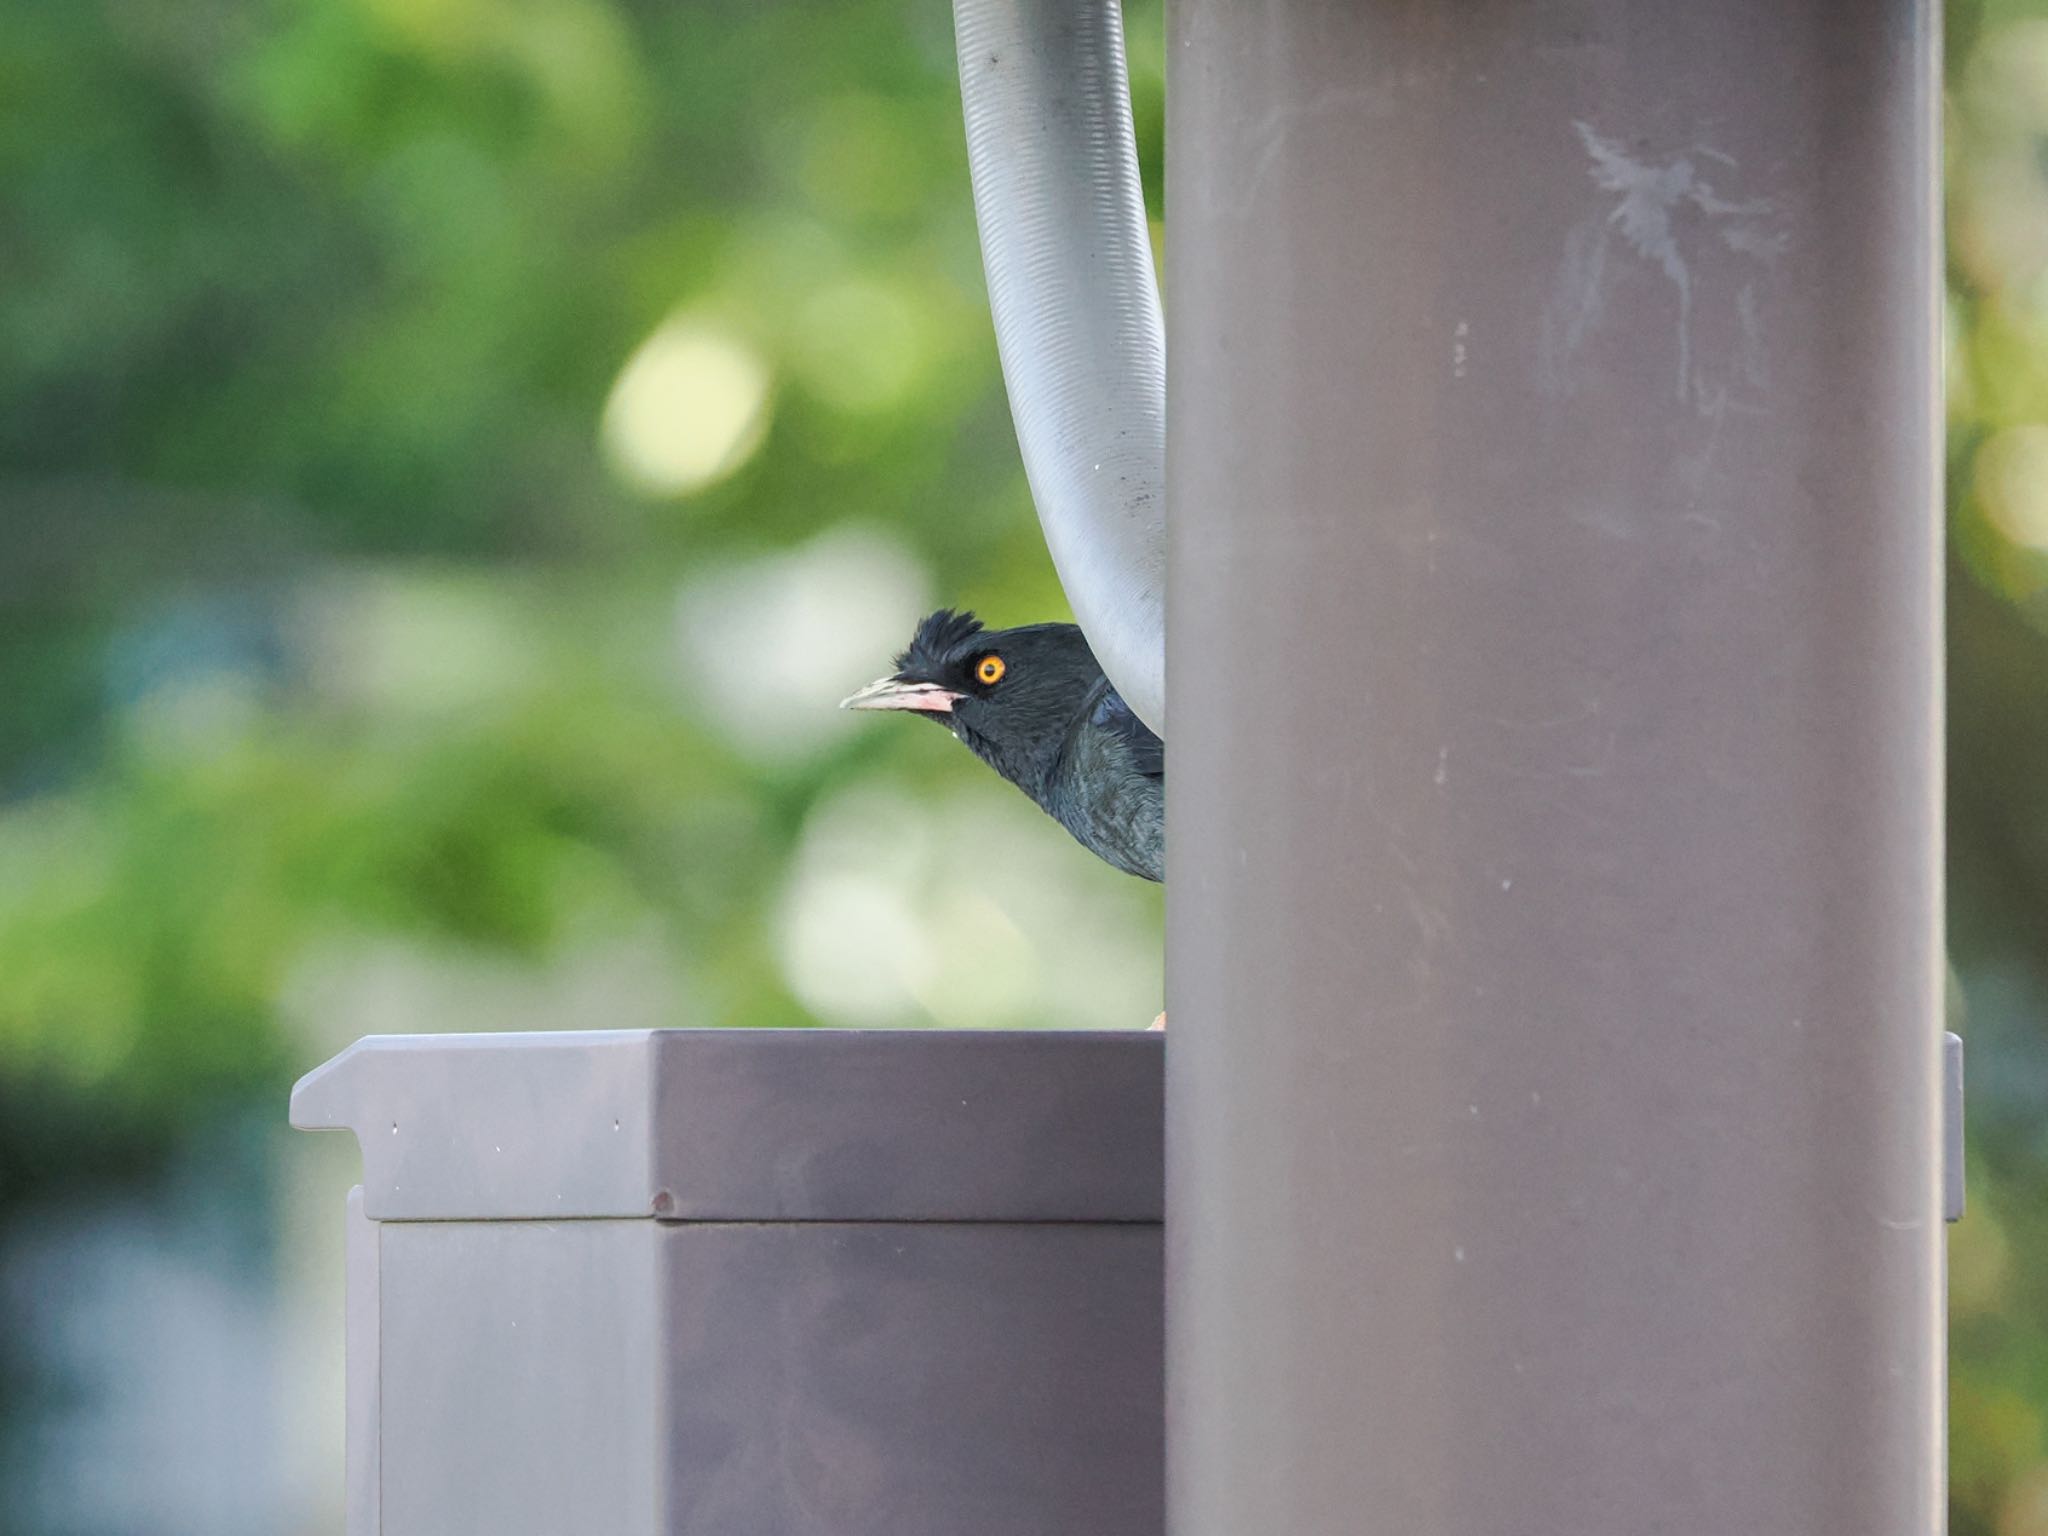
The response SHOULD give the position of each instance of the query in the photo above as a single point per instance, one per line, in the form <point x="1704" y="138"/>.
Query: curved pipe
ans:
<point x="1069" y="262"/>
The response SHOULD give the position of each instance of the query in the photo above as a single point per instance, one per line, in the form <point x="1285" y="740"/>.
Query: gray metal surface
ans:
<point x="1954" y="1197"/>
<point x="521" y="1367"/>
<point x="979" y="1349"/>
<point x="781" y="1379"/>
<point x="362" y="1478"/>
<point x="1553" y="941"/>
<point x="754" y="1125"/>
<point x="930" y="1379"/>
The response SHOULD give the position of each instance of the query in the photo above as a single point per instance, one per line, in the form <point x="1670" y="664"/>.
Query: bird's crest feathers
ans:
<point x="940" y="639"/>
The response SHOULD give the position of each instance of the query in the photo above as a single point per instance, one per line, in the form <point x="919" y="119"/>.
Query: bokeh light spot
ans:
<point x="2012" y="484"/>
<point x="966" y="909"/>
<point x="689" y="408"/>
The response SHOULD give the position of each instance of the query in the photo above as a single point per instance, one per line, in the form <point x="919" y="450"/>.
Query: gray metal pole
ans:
<point x="1553" y="939"/>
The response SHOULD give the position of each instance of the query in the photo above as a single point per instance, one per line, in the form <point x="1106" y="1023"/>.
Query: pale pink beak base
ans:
<point x="893" y="693"/>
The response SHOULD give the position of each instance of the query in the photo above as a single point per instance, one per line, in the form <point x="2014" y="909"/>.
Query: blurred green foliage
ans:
<point x="323" y="614"/>
<point x="1998" y="755"/>
<point x="337" y="622"/>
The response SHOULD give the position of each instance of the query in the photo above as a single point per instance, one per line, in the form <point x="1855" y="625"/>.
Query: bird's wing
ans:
<point x="1148" y="752"/>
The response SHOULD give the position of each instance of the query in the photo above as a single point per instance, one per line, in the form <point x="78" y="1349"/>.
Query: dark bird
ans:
<point x="1033" y="704"/>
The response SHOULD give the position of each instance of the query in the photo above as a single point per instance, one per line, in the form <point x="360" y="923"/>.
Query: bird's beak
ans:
<point x="898" y="693"/>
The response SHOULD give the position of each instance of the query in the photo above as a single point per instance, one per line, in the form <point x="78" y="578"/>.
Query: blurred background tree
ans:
<point x="453" y="455"/>
<point x="1998" y="755"/>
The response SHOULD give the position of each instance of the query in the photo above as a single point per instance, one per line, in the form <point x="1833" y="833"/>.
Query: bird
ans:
<point x="1032" y="702"/>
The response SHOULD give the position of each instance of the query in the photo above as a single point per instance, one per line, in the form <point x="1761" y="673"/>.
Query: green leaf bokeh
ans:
<point x="354" y="648"/>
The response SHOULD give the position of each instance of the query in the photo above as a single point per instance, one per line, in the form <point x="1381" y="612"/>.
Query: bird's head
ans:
<point x="1010" y="694"/>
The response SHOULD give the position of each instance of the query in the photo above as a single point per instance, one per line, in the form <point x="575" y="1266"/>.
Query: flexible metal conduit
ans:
<point x="1070" y="279"/>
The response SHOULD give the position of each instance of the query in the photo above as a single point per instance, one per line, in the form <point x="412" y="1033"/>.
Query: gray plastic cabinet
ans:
<point x="789" y="1283"/>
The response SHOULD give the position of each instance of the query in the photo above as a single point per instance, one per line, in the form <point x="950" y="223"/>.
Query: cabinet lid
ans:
<point x="751" y="1125"/>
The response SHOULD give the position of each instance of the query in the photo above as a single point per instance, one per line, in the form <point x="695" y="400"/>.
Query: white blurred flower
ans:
<point x="771" y="646"/>
<point x="972" y="910"/>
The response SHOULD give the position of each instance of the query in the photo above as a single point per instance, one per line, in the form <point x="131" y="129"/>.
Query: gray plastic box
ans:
<point x="751" y="1283"/>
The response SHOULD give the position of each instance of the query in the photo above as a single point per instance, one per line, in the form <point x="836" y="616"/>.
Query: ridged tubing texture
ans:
<point x="1065" y="245"/>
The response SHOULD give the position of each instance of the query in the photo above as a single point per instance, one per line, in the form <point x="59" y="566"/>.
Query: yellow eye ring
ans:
<point x="989" y="671"/>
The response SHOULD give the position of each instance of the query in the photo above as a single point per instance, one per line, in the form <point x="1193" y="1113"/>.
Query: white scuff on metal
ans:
<point x="1655" y="199"/>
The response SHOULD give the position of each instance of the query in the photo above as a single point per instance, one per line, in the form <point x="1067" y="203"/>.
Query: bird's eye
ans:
<point x="989" y="671"/>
